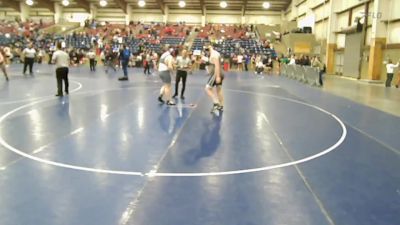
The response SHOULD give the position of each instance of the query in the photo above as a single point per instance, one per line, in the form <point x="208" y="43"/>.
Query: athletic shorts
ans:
<point x="212" y="81"/>
<point x="165" y="77"/>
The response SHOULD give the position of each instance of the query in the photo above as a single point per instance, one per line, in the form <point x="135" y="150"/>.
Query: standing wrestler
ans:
<point x="165" y="69"/>
<point x="214" y="84"/>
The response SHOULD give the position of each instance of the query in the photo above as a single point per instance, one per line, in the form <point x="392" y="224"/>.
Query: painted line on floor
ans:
<point x="156" y="174"/>
<point x="259" y="169"/>
<point x="39" y="98"/>
<point x="42" y="148"/>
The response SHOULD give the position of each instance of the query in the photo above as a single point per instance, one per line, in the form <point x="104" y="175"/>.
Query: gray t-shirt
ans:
<point x="164" y="60"/>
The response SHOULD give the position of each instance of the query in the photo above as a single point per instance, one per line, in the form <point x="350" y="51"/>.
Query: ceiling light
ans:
<point x="141" y="3"/>
<point x="223" y="4"/>
<point x="266" y="5"/>
<point x="65" y="2"/>
<point x="29" y="2"/>
<point x="182" y="4"/>
<point x="103" y="3"/>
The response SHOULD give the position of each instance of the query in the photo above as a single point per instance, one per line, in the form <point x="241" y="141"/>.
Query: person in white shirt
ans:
<point x="3" y="63"/>
<point x="292" y="60"/>
<point x="29" y="55"/>
<point x="154" y="58"/>
<point x="8" y="55"/>
<point x="165" y="69"/>
<point x="62" y="61"/>
<point x="240" y="62"/>
<point x="184" y="65"/>
<point x="100" y="43"/>
<point x="390" y="70"/>
<point x="92" y="59"/>
<point x="259" y="67"/>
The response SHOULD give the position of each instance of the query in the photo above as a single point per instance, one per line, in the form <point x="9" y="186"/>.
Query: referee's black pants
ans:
<point x="92" y="63"/>
<point x="389" y="79"/>
<point x="62" y="74"/>
<point x="180" y="74"/>
<point x="28" y="62"/>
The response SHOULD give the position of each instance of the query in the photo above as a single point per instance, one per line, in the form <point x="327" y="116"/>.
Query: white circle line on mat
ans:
<point x="38" y="98"/>
<point x="156" y="174"/>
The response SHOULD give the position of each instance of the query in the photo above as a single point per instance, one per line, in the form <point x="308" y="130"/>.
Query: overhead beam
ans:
<point x="202" y="6"/>
<point x="122" y="4"/>
<point x="288" y="4"/>
<point x="46" y="4"/>
<point x="161" y="4"/>
<point x="84" y="4"/>
<point x="244" y="7"/>
<point x="12" y="4"/>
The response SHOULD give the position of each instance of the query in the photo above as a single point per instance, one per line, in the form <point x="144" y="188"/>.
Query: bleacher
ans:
<point x="251" y="46"/>
<point x="218" y="31"/>
<point x="199" y="43"/>
<point x="7" y="40"/>
<point x="173" y="41"/>
<point x="140" y="37"/>
<point x="78" y="41"/>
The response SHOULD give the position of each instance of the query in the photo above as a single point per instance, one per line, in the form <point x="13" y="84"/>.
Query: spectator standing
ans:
<point x="292" y="60"/>
<point x="321" y="68"/>
<point x="390" y="71"/>
<point x="40" y="56"/>
<point x="247" y="59"/>
<point x="147" y="61"/>
<point x="240" y="62"/>
<point x="110" y="60"/>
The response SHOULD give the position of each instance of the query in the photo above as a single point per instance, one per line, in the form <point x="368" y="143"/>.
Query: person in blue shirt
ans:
<point x="247" y="61"/>
<point x="124" y="57"/>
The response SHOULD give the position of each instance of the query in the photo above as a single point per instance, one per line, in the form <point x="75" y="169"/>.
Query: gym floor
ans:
<point x="281" y="153"/>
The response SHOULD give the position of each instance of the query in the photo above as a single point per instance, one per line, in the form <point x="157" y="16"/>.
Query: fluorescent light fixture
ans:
<point x="223" y="4"/>
<point x="65" y="2"/>
<point x="266" y="5"/>
<point x="103" y="3"/>
<point x="141" y="3"/>
<point x="29" y="2"/>
<point x="182" y="4"/>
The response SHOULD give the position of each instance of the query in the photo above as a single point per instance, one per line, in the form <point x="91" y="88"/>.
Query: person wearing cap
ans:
<point x="165" y="68"/>
<point x="215" y="80"/>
